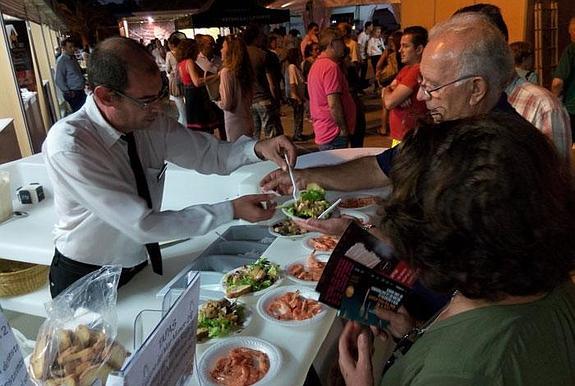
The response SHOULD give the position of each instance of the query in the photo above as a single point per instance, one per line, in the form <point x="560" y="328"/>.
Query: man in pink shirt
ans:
<point x="331" y="105"/>
<point x="400" y="96"/>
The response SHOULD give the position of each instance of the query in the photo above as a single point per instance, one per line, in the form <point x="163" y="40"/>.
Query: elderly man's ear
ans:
<point x="104" y="95"/>
<point x="479" y="89"/>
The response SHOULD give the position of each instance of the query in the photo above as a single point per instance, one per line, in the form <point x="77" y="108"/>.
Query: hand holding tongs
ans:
<point x="295" y="191"/>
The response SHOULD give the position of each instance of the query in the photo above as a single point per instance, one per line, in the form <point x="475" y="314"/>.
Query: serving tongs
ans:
<point x="329" y="210"/>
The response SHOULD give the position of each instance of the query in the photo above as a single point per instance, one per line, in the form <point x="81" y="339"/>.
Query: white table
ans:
<point x="29" y="239"/>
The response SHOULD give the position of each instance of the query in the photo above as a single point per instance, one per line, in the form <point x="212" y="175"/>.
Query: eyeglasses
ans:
<point x="143" y="104"/>
<point x="427" y="92"/>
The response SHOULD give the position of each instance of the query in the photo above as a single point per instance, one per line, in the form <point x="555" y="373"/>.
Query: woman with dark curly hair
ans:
<point x="236" y="80"/>
<point x="485" y="209"/>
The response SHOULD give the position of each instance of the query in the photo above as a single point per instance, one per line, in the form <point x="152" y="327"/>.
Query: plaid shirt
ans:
<point x="537" y="105"/>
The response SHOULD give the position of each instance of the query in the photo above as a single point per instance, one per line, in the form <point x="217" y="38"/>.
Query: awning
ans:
<point x="38" y="11"/>
<point x="231" y="13"/>
<point x="345" y="3"/>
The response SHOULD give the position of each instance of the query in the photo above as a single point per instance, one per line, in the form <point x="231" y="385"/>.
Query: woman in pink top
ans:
<point x="236" y="79"/>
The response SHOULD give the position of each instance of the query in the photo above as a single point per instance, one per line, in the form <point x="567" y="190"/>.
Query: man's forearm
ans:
<point x="337" y="112"/>
<point x="557" y="87"/>
<point x="358" y="174"/>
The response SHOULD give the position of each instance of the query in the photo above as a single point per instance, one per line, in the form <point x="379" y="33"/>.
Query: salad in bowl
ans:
<point x="310" y="204"/>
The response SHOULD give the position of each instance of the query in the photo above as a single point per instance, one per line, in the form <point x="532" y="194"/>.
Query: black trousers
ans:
<point x="64" y="272"/>
<point x="572" y="116"/>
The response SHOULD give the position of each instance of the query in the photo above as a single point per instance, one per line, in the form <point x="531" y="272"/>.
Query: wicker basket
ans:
<point x="19" y="278"/>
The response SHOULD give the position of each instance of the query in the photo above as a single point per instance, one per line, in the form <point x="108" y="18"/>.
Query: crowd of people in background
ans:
<point x="236" y="85"/>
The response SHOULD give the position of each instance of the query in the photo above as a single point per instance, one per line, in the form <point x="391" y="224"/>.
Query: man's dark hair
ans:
<point x="112" y="59"/>
<point x="327" y="36"/>
<point x="367" y="25"/>
<point x="174" y="40"/>
<point x="66" y="41"/>
<point x="419" y="36"/>
<point x="347" y="28"/>
<point x="311" y="26"/>
<point x="251" y="33"/>
<point x="483" y="205"/>
<point x="492" y="12"/>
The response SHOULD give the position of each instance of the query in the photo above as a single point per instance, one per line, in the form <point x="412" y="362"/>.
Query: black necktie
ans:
<point x="144" y="192"/>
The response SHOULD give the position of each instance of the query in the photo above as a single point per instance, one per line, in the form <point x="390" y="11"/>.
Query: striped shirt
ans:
<point x="540" y="107"/>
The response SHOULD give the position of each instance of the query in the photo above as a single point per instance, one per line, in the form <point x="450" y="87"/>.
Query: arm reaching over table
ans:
<point x="250" y="207"/>
<point x="357" y="174"/>
<point x="273" y="149"/>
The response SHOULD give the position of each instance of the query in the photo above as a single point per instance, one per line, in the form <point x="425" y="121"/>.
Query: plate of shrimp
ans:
<point x="291" y="306"/>
<point x="307" y="270"/>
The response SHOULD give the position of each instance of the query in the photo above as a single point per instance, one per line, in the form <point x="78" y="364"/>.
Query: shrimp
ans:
<point x="293" y="306"/>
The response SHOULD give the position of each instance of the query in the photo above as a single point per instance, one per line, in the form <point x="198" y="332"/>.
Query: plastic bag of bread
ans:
<point x="76" y="344"/>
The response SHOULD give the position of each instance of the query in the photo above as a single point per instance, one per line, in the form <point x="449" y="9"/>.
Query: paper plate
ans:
<point x="304" y="291"/>
<point x="323" y="257"/>
<point x="307" y="243"/>
<point x="221" y="349"/>
<point x="252" y="294"/>
<point x="362" y="217"/>
<point x="346" y="199"/>
<point x="249" y="315"/>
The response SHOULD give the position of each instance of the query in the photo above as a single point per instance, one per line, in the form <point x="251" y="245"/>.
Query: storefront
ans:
<point x="28" y="101"/>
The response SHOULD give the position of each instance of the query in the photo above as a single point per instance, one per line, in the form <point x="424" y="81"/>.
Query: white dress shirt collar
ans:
<point x="106" y="131"/>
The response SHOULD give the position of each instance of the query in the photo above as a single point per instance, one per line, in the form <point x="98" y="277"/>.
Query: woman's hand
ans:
<point x="355" y="352"/>
<point x="331" y="226"/>
<point x="400" y="322"/>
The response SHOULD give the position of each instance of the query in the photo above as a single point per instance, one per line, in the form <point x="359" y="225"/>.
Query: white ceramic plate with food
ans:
<point x="286" y="228"/>
<point x="219" y="350"/>
<point x="251" y="293"/>
<point x="248" y="317"/>
<point x="356" y="214"/>
<point x="304" y="262"/>
<point x="267" y="300"/>
<point x="358" y="201"/>
<point x="320" y="243"/>
<point x="290" y="203"/>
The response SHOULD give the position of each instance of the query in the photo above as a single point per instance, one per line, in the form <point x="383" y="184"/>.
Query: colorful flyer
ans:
<point x="362" y="276"/>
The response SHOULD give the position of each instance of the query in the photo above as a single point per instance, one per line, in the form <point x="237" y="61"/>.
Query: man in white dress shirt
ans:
<point x="103" y="217"/>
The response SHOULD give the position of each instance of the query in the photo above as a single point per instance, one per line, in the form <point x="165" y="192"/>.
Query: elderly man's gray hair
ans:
<point x="480" y="49"/>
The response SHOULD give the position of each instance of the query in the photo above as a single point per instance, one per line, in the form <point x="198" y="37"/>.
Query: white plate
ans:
<point x="304" y="291"/>
<point x="323" y="257"/>
<point x="307" y="244"/>
<point x="362" y="217"/>
<point x="276" y="234"/>
<point x="221" y="349"/>
<point x="252" y="294"/>
<point x="356" y="196"/>
<point x="334" y="213"/>
<point x="249" y="315"/>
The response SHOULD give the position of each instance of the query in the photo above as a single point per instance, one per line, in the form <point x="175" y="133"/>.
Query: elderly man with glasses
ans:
<point x="465" y="68"/>
<point x="107" y="167"/>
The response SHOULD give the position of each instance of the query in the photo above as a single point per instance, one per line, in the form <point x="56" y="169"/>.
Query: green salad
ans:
<point x="251" y="278"/>
<point x="310" y="204"/>
<point x="218" y="318"/>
